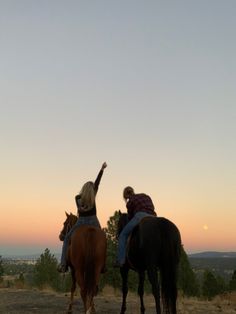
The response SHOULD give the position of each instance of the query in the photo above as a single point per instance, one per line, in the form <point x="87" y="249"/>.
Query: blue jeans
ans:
<point x="89" y="220"/>
<point x="125" y="234"/>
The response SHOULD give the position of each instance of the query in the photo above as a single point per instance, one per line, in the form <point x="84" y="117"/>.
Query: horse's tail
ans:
<point x="169" y="271"/>
<point x="89" y="267"/>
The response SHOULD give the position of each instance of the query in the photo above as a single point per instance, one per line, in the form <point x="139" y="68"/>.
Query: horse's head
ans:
<point x="68" y="223"/>
<point x="122" y="221"/>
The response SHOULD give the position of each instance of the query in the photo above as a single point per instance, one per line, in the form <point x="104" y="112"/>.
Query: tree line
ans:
<point x="44" y="273"/>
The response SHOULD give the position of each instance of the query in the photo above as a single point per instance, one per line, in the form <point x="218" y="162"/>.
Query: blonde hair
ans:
<point x="87" y="195"/>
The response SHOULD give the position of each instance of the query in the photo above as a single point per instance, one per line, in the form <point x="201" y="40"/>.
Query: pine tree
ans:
<point x="112" y="277"/>
<point x="209" y="285"/>
<point x="45" y="272"/>
<point x="221" y="285"/>
<point x="187" y="280"/>
<point x="232" y="283"/>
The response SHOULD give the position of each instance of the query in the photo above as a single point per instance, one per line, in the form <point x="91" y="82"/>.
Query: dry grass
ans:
<point x="20" y="301"/>
<point x="221" y="304"/>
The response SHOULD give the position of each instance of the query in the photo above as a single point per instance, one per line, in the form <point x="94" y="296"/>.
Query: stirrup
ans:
<point x="62" y="268"/>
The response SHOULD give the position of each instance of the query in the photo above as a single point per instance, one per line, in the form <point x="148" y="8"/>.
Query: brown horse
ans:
<point x="86" y="257"/>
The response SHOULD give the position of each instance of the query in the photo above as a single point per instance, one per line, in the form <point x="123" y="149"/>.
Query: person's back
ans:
<point x="140" y="203"/>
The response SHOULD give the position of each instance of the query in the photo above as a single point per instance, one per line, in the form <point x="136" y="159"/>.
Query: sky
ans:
<point x="147" y="86"/>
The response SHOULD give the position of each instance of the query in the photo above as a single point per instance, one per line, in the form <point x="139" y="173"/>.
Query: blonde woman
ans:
<point x="87" y="212"/>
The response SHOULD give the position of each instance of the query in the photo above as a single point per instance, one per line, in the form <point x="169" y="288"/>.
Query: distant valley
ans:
<point x="220" y="263"/>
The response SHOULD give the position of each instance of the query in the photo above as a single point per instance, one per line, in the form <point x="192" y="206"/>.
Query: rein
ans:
<point x="68" y="227"/>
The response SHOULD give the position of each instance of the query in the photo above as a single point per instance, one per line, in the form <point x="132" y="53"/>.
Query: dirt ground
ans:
<point x="13" y="301"/>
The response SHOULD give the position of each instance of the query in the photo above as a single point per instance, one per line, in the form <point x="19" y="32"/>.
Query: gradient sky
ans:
<point x="147" y="86"/>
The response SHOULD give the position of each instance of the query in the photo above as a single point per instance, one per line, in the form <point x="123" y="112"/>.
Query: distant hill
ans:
<point x="28" y="256"/>
<point x="213" y="254"/>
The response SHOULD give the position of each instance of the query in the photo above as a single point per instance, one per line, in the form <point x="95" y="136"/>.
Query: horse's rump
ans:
<point x="159" y="230"/>
<point x="86" y="241"/>
<point x="156" y="238"/>
<point x="87" y="254"/>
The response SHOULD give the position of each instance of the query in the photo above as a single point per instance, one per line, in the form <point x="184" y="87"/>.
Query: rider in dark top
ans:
<point x="138" y="206"/>
<point x="83" y="210"/>
<point x="87" y="213"/>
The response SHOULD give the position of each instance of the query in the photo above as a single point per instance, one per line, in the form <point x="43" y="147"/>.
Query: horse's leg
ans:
<point x="95" y="290"/>
<point x="73" y="287"/>
<point x="89" y="304"/>
<point x="80" y="280"/>
<point x="141" y="291"/>
<point x="89" y="311"/>
<point x="87" y="299"/>
<point x="93" y="311"/>
<point x="124" y="274"/>
<point x="83" y="297"/>
<point x="153" y="278"/>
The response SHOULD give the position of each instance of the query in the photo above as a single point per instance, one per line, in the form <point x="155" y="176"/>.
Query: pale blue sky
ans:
<point x="148" y="86"/>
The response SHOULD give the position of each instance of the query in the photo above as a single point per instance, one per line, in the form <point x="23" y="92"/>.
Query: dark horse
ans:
<point x="86" y="257"/>
<point x="154" y="246"/>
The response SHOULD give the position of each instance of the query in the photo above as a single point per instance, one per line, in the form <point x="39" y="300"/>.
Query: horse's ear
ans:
<point x="67" y="215"/>
<point x="119" y="213"/>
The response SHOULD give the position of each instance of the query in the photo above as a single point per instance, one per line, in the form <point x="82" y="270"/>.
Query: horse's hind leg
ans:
<point x="124" y="274"/>
<point x="153" y="278"/>
<point x="73" y="287"/>
<point x="93" y="311"/>
<point x="141" y="291"/>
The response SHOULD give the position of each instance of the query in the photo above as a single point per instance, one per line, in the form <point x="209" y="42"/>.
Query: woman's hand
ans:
<point x="104" y="165"/>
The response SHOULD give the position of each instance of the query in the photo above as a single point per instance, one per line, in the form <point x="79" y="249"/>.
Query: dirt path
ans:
<point x="33" y="302"/>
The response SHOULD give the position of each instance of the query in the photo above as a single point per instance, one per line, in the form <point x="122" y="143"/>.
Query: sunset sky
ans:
<point x="147" y="86"/>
